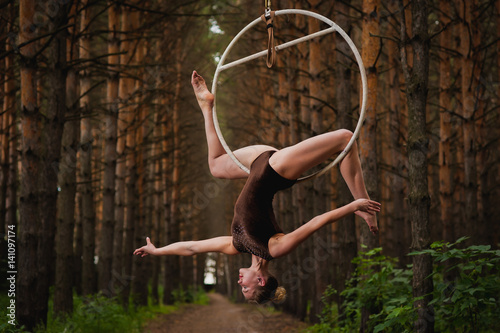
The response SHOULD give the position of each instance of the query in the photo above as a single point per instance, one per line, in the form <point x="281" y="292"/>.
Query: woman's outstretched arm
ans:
<point x="223" y="244"/>
<point x="284" y="244"/>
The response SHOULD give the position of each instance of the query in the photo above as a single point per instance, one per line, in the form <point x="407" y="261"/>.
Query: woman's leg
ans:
<point x="292" y="162"/>
<point x="221" y="165"/>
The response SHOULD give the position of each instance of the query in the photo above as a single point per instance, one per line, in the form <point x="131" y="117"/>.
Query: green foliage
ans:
<point x="467" y="303"/>
<point x="383" y="289"/>
<point x="191" y="295"/>
<point x="97" y="313"/>
<point x="329" y="314"/>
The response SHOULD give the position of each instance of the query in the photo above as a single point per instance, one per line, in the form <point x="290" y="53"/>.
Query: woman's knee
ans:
<point x="217" y="168"/>
<point x="345" y="135"/>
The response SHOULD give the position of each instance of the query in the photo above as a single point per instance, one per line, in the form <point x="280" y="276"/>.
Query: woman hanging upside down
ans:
<point x="254" y="228"/>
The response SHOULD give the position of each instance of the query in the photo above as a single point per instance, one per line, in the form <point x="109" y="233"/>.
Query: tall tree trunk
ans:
<point x="469" y="52"/>
<point x="63" y="292"/>
<point x="388" y="237"/>
<point x="483" y="230"/>
<point x="299" y="307"/>
<point x="492" y="212"/>
<point x="7" y="133"/>
<point x="316" y="108"/>
<point x="304" y="192"/>
<point x="141" y="267"/>
<point x="398" y="123"/>
<point x="284" y="198"/>
<point x="87" y="207"/>
<point x="105" y="265"/>
<point x="131" y="201"/>
<point x="169" y="261"/>
<point x="368" y="137"/>
<point x="53" y="124"/>
<point x="158" y="217"/>
<point x="11" y="208"/>
<point x="419" y="200"/>
<point x="4" y="139"/>
<point x="346" y="227"/>
<point x="445" y="186"/>
<point x="29" y="310"/>
<point x="173" y="228"/>
<point x="124" y="91"/>
<point x="131" y="198"/>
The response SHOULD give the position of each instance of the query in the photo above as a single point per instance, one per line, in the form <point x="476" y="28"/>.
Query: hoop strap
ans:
<point x="271" y="50"/>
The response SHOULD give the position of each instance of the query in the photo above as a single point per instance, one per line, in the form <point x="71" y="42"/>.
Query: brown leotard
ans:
<point x="254" y="222"/>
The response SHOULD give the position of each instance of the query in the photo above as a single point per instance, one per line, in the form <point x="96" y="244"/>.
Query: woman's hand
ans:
<point x="149" y="248"/>
<point x="366" y="205"/>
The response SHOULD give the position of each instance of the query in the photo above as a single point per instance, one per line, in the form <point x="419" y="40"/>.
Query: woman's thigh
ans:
<point x="247" y="155"/>
<point x="291" y="162"/>
<point x="225" y="167"/>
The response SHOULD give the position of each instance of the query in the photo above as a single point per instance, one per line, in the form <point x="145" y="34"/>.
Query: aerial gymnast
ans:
<point x="254" y="228"/>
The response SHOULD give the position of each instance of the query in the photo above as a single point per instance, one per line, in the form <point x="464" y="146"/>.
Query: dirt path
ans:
<point x="222" y="316"/>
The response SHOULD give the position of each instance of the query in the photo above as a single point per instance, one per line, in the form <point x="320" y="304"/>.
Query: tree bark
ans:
<point x="173" y="231"/>
<point x="321" y="240"/>
<point x="492" y="212"/>
<point x="140" y="267"/>
<point x="8" y="155"/>
<point x="63" y="292"/>
<point x="53" y="124"/>
<point x="158" y="216"/>
<point x="304" y="192"/>
<point x="419" y="199"/>
<point x="392" y="187"/>
<point x="368" y="137"/>
<point x="131" y="198"/>
<point x="30" y="311"/>
<point x="105" y="265"/>
<point x="346" y="227"/>
<point x="370" y="48"/>
<point x="470" y="56"/>
<point x="125" y="90"/>
<point x="445" y="176"/>
<point x="86" y="179"/>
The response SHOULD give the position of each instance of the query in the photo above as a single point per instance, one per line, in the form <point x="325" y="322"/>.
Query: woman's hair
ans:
<point x="270" y="292"/>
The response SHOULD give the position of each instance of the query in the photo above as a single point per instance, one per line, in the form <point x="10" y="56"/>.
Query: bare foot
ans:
<point x="203" y="95"/>
<point x="370" y="219"/>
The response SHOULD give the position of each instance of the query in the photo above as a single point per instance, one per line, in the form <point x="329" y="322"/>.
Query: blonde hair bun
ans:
<point x="279" y="295"/>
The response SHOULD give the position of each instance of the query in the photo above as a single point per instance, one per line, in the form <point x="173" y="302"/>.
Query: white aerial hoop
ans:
<point x="333" y="28"/>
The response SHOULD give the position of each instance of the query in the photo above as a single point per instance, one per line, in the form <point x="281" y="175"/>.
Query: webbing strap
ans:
<point x="271" y="50"/>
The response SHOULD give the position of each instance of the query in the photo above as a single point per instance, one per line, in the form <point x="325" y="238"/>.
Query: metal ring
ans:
<point x="333" y="28"/>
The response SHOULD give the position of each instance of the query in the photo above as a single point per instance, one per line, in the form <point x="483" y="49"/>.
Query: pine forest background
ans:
<point x="102" y="142"/>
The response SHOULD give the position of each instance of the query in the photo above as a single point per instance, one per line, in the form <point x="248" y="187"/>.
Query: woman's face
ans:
<point x="249" y="280"/>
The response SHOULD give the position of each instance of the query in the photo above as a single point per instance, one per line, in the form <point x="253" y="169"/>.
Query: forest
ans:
<point x="102" y="144"/>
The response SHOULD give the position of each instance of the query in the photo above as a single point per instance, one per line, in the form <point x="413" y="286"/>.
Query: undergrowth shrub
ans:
<point x="97" y="313"/>
<point x="466" y="287"/>
<point x="465" y="298"/>
<point x="191" y="295"/>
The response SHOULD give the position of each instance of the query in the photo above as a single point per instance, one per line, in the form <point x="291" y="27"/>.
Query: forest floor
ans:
<point x="221" y="316"/>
